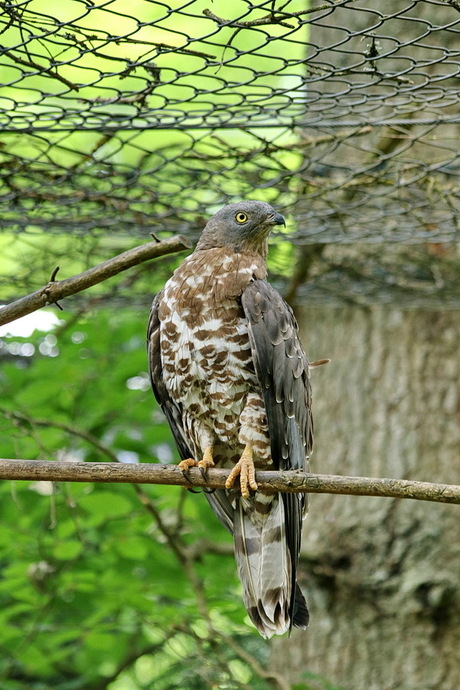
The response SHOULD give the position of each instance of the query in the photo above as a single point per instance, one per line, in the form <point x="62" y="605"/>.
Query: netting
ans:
<point x="126" y="118"/>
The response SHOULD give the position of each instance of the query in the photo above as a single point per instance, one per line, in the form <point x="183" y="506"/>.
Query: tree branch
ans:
<point x="41" y="69"/>
<point x="290" y="482"/>
<point x="56" y="290"/>
<point x="277" y="17"/>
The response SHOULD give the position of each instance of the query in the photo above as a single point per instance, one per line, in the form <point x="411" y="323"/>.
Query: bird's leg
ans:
<point x="206" y="461"/>
<point x="244" y="468"/>
<point x="204" y="464"/>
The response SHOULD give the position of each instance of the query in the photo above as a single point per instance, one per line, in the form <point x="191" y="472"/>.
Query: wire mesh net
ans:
<point x="128" y="118"/>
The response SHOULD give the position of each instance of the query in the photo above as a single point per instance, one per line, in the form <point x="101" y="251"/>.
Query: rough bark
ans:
<point x="381" y="575"/>
<point x="289" y="482"/>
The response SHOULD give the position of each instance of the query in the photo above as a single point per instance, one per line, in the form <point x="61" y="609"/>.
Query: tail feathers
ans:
<point x="301" y="615"/>
<point x="265" y="570"/>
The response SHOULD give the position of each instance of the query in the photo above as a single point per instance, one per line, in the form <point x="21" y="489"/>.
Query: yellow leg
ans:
<point x="207" y="460"/>
<point x="244" y="468"/>
<point x="205" y="463"/>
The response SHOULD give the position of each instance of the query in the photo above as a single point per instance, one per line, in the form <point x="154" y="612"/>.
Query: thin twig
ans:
<point x="139" y="97"/>
<point x="273" y="678"/>
<point x="40" y="68"/>
<point x="57" y="290"/>
<point x="248" y="23"/>
<point x="270" y="18"/>
<point x="286" y="481"/>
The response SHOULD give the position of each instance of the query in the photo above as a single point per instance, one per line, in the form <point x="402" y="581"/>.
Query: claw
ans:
<point x="204" y="464"/>
<point x="244" y="468"/>
<point x="186" y="464"/>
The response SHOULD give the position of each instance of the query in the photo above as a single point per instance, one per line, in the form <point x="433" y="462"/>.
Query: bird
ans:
<point x="228" y="369"/>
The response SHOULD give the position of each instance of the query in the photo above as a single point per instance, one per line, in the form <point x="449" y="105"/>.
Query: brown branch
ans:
<point x="41" y="69"/>
<point x="194" y="551"/>
<point x="276" y="17"/>
<point x="57" y="290"/>
<point x="245" y="24"/>
<point x="288" y="481"/>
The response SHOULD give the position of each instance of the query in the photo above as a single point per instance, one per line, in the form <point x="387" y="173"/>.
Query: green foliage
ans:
<point x="92" y="595"/>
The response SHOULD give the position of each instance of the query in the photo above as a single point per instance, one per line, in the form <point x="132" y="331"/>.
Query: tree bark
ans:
<point x="381" y="576"/>
<point x="215" y="478"/>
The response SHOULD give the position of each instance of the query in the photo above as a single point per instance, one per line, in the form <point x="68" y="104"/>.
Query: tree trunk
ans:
<point x="380" y="124"/>
<point x="381" y="575"/>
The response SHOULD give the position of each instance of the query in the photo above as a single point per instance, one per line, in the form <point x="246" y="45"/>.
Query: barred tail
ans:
<point x="265" y="566"/>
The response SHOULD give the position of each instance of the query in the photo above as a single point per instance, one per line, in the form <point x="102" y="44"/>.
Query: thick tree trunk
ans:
<point x="382" y="575"/>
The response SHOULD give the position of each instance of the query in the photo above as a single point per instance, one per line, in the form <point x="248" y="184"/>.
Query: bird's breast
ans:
<point x="205" y="349"/>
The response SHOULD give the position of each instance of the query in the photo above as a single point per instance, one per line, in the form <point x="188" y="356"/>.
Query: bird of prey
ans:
<point x="232" y="378"/>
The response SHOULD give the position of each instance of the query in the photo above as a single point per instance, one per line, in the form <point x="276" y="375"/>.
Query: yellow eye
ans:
<point x="241" y="218"/>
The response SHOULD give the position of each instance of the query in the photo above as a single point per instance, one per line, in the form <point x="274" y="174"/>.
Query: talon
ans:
<point x="244" y="468"/>
<point x="204" y="464"/>
<point x="185" y="465"/>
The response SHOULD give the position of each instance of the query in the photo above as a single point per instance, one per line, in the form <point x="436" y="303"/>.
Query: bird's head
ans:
<point x="244" y="226"/>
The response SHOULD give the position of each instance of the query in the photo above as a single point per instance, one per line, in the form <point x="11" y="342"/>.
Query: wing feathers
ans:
<point x="172" y="411"/>
<point x="282" y="369"/>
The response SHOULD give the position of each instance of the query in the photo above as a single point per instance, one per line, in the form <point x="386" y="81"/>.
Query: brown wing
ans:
<point x="170" y="408"/>
<point x="282" y="370"/>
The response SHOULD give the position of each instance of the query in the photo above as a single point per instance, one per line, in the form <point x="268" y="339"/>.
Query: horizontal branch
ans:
<point x="292" y="482"/>
<point x="56" y="290"/>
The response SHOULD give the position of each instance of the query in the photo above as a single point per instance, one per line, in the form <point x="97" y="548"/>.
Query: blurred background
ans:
<point x="118" y="120"/>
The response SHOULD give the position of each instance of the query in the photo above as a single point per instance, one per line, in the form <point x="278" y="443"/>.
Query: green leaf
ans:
<point x="134" y="548"/>
<point x="104" y="505"/>
<point x="67" y="550"/>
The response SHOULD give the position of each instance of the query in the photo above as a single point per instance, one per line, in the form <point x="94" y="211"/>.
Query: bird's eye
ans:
<point x="241" y="218"/>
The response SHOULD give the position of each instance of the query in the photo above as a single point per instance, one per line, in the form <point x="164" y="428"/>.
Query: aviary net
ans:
<point x="131" y="117"/>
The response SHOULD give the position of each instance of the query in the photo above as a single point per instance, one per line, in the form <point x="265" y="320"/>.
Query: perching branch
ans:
<point x="56" y="290"/>
<point x="291" y="482"/>
<point x="277" y="17"/>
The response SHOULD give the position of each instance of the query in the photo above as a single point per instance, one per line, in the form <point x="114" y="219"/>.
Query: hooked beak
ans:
<point x="277" y="219"/>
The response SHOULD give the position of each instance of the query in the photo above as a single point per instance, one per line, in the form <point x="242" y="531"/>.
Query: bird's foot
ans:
<point x="204" y="464"/>
<point x="186" y="464"/>
<point x="244" y="469"/>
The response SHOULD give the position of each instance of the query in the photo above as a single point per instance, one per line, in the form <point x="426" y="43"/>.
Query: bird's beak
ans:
<point x="277" y="219"/>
